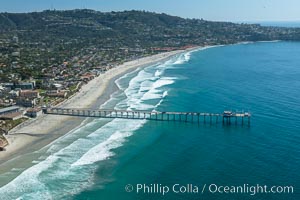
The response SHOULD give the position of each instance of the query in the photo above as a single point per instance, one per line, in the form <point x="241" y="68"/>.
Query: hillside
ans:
<point x="131" y="28"/>
<point x="30" y="42"/>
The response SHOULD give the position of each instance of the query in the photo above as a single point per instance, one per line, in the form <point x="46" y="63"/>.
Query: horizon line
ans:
<point x="213" y="20"/>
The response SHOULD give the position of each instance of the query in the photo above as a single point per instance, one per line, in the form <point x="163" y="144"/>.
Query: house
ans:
<point x="29" y="94"/>
<point x="57" y="93"/>
<point x="25" y="86"/>
<point x="33" y="112"/>
<point x="22" y="86"/>
<point x="8" y="86"/>
<point x="87" y="77"/>
<point x="14" y="94"/>
<point x="15" y="54"/>
<point x="26" y="102"/>
<point x="58" y="86"/>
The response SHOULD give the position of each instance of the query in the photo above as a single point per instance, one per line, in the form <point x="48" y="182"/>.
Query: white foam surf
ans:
<point x="182" y="58"/>
<point x="103" y="151"/>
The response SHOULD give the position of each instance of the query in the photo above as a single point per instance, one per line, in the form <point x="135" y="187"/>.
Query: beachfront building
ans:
<point x="10" y="113"/>
<point x="14" y="94"/>
<point x="33" y="112"/>
<point x="9" y="110"/>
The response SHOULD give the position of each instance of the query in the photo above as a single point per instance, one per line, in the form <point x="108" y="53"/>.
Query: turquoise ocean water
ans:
<point x="99" y="159"/>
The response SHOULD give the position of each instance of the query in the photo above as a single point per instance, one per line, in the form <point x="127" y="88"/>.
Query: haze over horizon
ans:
<point x="215" y="10"/>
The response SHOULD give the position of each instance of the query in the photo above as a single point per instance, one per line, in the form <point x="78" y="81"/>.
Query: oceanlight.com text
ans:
<point x="207" y="188"/>
<point x="250" y="189"/>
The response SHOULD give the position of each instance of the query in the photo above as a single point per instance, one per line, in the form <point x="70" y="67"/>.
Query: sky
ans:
<point x="216" y="10"/>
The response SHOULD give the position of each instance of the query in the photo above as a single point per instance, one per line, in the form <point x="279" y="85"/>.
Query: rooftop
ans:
<point x="9" y="109"/>
<point x="11" y="115"/>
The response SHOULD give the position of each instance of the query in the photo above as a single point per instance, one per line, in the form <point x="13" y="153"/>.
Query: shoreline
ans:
<point x="38" y="133"/>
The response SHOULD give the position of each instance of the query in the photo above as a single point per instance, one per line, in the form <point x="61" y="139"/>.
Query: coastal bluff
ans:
<point x="3" y="143"/>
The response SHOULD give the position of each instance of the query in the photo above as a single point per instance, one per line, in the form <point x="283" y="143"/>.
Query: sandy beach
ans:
<point x="37" y="133"/>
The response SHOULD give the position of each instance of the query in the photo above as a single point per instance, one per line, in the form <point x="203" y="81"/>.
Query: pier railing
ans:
<point x="227" y="117"/>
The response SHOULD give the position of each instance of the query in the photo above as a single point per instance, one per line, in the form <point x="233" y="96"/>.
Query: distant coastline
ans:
<point x="283" y="24"/>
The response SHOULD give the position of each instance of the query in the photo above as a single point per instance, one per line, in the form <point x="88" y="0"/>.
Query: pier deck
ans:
<point x="227" y="117"/>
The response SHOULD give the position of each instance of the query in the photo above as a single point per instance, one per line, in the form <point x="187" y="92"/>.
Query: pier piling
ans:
<point x="162" y="116"/>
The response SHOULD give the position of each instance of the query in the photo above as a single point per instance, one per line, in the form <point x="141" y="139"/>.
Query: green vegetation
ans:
<point x="15" y="123"/>
<point x="50" y="38"/>
<point x="10" y="124"/>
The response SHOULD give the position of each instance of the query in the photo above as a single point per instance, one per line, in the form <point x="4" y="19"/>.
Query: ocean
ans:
<point x="290" y="24"/>
<point x="287" y="24"/>
<point x="110" y="159"/>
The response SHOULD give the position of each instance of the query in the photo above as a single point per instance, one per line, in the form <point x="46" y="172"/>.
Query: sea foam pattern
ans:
<point x="72" y="159"/>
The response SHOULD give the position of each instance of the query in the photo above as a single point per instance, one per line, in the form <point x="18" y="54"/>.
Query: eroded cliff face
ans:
<point x="3" y="143"/>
